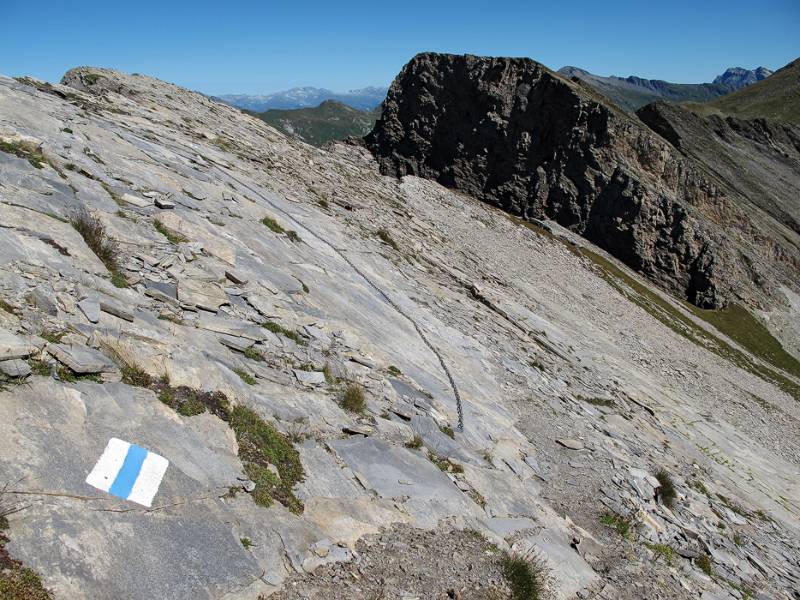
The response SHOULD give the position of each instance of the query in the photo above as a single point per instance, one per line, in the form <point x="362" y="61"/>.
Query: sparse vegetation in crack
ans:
<point x="285" y="332"/>
<point x="172" y="236"/>
<point x="93" y="232"/>
<point x="352" y="399"/>
<point x="263" y="451"/>
<point x="666" y="491"/>
<point x="23" y="149"/>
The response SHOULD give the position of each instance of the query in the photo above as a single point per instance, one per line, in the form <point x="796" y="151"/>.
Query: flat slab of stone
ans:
<point x="12" y="346"/>
<point x="15" y="368"/>
<point x="164" y="203"/>
<point x="232" y="327"/>
<point x="394" y="472"/>
<point x="168" y="289"/>
<point x="90" y="307"/>
<point x="82" y="359"/>
<point x="116" y="310"/>
<point x="236" y="277"/>
<point x="309" y="377"/>
<point x="570" y="443"/>
<point x="236" y="343"/>
<point x="136" y="200"/>
<point x="203" y="294"/>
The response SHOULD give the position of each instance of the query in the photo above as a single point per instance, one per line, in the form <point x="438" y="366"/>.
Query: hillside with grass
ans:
<point x="776" y="98"/>
<point x="331" y="120"/>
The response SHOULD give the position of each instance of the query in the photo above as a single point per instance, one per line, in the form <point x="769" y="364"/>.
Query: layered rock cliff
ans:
<point x="514" y="134"/>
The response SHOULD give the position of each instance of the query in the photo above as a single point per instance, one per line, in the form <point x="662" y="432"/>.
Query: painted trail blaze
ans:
<point x="128" y="471"/>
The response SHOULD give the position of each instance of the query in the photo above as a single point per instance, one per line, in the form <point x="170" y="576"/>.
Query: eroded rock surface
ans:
<point x="285" y="274"/>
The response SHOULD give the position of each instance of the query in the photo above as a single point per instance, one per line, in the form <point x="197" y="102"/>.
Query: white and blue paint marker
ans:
<point x="128" y="471"/>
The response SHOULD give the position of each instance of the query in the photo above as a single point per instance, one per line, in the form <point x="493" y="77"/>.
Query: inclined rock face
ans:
<point x="516" y="135"/>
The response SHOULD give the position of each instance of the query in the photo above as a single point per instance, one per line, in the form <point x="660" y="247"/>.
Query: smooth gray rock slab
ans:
<point x="309" y="377"/>
<point x="82" y="359"/>
<point x="168" y="289"/>
<point x="394" y="472"/>
<point x="236" y="343"/>
<point x="15" y="368"/>
<point x="233" y="327"/>
<point x="90" y="307"/>
<point x="570" y="443"/>
<point x="236" y="277"/>
<point x="13" y="346"/>
<point x="164" y="203"/>
<point x="117" y="311"/>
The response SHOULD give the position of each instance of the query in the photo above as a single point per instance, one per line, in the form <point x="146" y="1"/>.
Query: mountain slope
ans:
<point x="366" y="99"/>
<point x="514" y="134"/>
<point x="633" y="92"/>
<point x="330" y="120"/>
<point x="776" y="98"/>
<point x="300" y="338"/>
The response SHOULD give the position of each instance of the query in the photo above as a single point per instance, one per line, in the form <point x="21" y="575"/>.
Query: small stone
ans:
<point x="117" y="311"/>
<point x="570" y="443"/>
<point x="90" y="307"/>
<point x="309" y="377"/>
<point x="15" y="368"/>
<point x="164" y="203"/>
<point x="235" y="277"/>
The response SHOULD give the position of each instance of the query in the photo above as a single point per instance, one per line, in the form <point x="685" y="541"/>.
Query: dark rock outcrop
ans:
<point x="513" y="133"/>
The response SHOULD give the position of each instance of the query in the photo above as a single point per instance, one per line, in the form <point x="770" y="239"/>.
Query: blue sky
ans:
<point x="255" y="47"/>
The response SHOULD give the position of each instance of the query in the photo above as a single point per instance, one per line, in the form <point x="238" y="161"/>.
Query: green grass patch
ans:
<point x="246" y="542"/>
<point x="352" y="399"/>
<point x="415" y="443"/>
<point x="527" y="576"/>
<point x="666" y="491"/>
<point x="607" y="402"/>
<point x="273" y="225"/>
<point x="662" y="550"/>
<point x="93" y="232"/>
<point x="704" y="563"/>
<point x="734" y="321"/>
<point x="245" y="376"/>
<point x="172" y="236"/>
<point x="253" y="353"/>
<point x="39" y="367"/>
<point x="21" y="149"/>
<point x="288" y="333"/>
<point x="393" y="371"/>
<point x="445" y="464"/>
<point x="69" y="376"/>
<point x="622" y="525"/>
<point x="54" y="337"/>
<point x="448" y="431"/>
<point x="261" y="445"/>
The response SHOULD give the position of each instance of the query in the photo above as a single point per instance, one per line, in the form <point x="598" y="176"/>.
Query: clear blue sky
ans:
<point x="254" y="47"/>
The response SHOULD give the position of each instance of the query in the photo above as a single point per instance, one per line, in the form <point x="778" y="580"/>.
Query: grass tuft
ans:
<point x="387" y="239"/>
<point x="288" y="333"/>
<point x="415" y="443"/>
<point x="261" y="445"/>
<point x="245" y="376"/>
<point x="26" y="150"/>
<point x="662" y="550"/>
<point x="527" y="576"/>
<point x="172" y="236"/>
<point x="623" y="526"/>
<point x="93" y="232"/>
<point x="704" y="562"/>
<point x="352" y="399"/>
<point x="666" y="491"/>
<point x="273" y="225"/>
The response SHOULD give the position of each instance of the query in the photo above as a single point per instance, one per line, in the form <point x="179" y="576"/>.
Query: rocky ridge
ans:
<point x="516" y="135"/>
<point x="247" y="264"/>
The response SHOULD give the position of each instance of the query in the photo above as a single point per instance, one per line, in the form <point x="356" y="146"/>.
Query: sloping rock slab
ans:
<point x="89" y="545"/>
<point x="82" y="359"/>
<point x="398" y="473"/>
<point x="12" y="346"/>
<point x="232" y="327"/>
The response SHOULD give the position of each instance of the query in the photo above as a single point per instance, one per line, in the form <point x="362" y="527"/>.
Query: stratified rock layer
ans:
<point x="518" y="136"/>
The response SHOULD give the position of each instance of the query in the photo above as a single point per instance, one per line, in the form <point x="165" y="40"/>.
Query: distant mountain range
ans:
<point x="631" y="93"/>
<point x="776" y="98"/>
<point x="368" y="98"/>
<point x="331" y="120"/>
